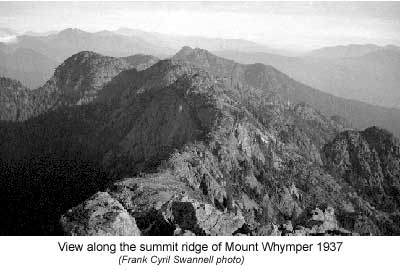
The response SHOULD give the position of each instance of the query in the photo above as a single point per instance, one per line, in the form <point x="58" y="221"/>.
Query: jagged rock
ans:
<point x="79" y="78"/>
<point x="369" y="161"/>
<point x="161" y="205"/>
<point x="320" y="223"/>
<point x="327" y="218"/>
<point x="100" y="215"/>
<point x="179" y="232"/>
<point x="288" y="226"/>
<point x="203" y="218"/>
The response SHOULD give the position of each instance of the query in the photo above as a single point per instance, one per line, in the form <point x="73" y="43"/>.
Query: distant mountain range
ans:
<point x="33" y="58"/>
<point x="26" y="65"/>
<point x="366" y="73"/>
<point x="65" y="43"/>
<point x="349" y="51"/>
<point x="176" y="42"/>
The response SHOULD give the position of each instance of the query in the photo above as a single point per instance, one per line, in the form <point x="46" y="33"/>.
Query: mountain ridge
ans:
<point x="360" y="115"/>
<point x="371" y="78"/>
<point x="349" y="51"/>
<point x="238" y="139"/>
<point x="63" y="44"/>
<point x="194" y="145"/>
<point x="176" y="42"/>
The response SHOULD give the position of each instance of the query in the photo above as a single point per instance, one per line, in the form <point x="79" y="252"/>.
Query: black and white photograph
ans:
<point x="200" y="118"/>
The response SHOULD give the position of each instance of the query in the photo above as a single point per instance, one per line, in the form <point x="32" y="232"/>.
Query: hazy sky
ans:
<point x="301" y="25"/>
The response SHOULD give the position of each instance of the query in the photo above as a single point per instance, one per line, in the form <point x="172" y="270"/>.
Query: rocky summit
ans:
<point x="198" y="145"/>
<point x="75" y="82"/>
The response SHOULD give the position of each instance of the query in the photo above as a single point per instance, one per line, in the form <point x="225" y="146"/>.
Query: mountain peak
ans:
<point x="84" y="55"/>
<point x="188" y="51"/>
<point x="80" y="59"/>
<point x="204" y="59"/>
<point x="70" y="32"/>
<point x="185" y="50"/>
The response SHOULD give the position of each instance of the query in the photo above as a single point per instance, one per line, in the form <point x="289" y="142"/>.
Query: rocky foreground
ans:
<point x="200" y="145"/>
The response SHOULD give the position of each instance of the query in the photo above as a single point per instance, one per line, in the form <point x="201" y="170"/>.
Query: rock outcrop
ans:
<point x="99" y="216"/>
<point x="160" y="204"/>
<point x="80" y="77"/>
<point x="369" y="163"/>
